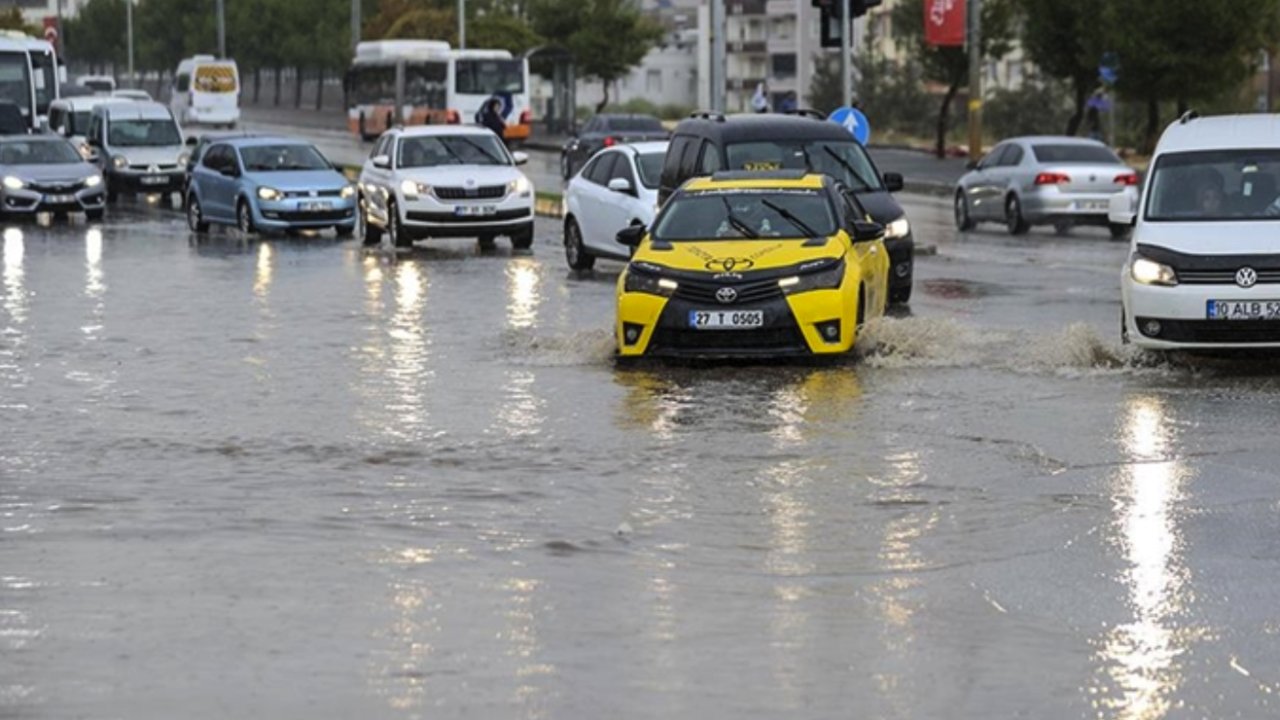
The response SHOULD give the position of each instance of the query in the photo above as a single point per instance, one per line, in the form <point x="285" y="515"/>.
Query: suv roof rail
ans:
<point x="807" y="112"/>
<point x="1188" y="116"/>
<point x="707" y="115"/>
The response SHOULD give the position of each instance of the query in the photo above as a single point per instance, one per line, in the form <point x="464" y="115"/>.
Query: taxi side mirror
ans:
<point x="866" y="231"/>
<point x="631" y="236"/>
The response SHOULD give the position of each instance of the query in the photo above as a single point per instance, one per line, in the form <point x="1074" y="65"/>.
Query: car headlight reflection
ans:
<point x="520" y="186"/>
<point x="826" y="279"/>
<point x="413" y="188"/>
<point x="93" y="181"/>
<point x="650" y="284"/>
<point x="897" y="229"/>
<point x="13" y="183"/>
<point x="268" y="193"/>
<point x="1150" y="272"/>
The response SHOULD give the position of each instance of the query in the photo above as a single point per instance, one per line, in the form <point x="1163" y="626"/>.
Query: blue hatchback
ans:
<point x="269" y="183"/>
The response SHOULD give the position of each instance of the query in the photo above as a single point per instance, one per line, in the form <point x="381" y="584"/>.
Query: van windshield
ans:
<point x="1215" y="185"/>
<point x="140" y="133"/>
<point x="845" y="161"/>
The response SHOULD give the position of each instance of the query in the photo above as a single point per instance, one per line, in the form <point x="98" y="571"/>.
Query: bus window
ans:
<point x="46" y="80"/>
<point x="15" y="80"/>
<point x="485" y="77"/>
<point x="426" y="84"/>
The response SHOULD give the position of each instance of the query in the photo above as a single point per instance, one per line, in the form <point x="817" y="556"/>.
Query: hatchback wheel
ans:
<point x="195" y="218"/>
<point x="244" y="218"/>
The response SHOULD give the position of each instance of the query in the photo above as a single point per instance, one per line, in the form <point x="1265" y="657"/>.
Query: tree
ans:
<point x="950" y="65"/>
<point x="12" y="19"/>
<point x="95" y="35"/>
<point x="1066" y="41"/>
<point x="606" y="37"/>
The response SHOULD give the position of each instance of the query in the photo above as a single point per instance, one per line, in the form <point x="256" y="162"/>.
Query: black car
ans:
<point x="706" y="143"/>
<point x="603" y="131"/>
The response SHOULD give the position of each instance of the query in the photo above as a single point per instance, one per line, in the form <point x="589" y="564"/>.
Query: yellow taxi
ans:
<point x="752" y="265"/>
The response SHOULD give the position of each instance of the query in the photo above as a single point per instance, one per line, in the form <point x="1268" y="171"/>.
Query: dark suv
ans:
<point x="706" y="143"/>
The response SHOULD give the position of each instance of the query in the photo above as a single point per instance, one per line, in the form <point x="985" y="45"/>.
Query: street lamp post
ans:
<point x="975" y="80"/>
<point x="222" y="30"/>
<point x="355" y="25"/>
<point x="462" y="24"/>
<point x="128" y="23"/>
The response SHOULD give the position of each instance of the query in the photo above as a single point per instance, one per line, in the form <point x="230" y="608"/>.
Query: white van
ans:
<point x="139" y="148"/>
<point x="69" y="117"/>
<point x="206" y="91"/>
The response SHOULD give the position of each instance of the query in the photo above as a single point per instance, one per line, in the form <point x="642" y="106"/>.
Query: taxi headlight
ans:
<point x="119" y="162"/>
<point x="649" y="283"/>
<point x="896" y="229"/>
<point x="348" y="191"/>
<point x="1150" y="272"/>
<point x="93" y="181"/>
<point x="520" y="186"/>
<point x="827" y="278"/>
<point x="268" y="193"/>
<point x="13" y="183"/>
<point x="413" y="188"/>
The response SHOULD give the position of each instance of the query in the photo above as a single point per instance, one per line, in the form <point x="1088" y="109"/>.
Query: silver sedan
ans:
<point x="1043" y="180"/>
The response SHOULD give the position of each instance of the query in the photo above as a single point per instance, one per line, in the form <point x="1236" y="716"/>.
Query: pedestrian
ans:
<point x="1092" y="115"/>
<point x="491" y="117"/>
<point x="789" y="103"/>
<point x="760" y="101"/>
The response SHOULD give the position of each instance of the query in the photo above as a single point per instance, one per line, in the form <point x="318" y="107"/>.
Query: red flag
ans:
<point x="944" y="22"/>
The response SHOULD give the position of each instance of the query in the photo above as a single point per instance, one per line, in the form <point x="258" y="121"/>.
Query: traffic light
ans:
<point x="830" y="19"/>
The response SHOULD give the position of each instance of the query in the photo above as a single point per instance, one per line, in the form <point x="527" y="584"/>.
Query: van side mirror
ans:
<point x="382" y="162"/>
<point x="972" y="165"/>
<point x="192" y="140"/>
<point x="893" y="181"/>
<point x="866" y="231"/>
<point x="631" y="236"/>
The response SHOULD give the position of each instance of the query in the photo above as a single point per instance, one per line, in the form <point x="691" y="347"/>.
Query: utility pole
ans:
<point x="975" y="80"/>
<point x="717" y="56"/>
<point x="846" y="52"/>
<point x="462" y="24"/>
<point x="128" y="22"/>
<point x="222" y="30"/>
<point x="355" y="25"/>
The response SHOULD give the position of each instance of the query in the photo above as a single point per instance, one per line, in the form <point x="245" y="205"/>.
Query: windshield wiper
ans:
<point x="848" y="168"/>
<point x="736" y="221"/>
<point x="496" y="160"/>
<point x="452" y="153"/>
<point x="790" y="217"/>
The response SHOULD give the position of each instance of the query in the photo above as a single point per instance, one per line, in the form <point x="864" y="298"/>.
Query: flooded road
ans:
<point x="292" y="478"/>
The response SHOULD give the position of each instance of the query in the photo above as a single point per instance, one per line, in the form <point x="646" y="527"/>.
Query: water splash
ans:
<point x="529" y="346"/>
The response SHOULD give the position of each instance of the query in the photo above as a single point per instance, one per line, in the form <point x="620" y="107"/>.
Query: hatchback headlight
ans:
<point x="520" y="186"/>
<point x="348" y="191"/>
<point x="1150" y="272"/>
<point x="13" y="183"/>
<point x="93" y="181"/>
<point x="413" y="188"/>
<point x="826" y="279"/>
<point x="268" y="193"/>
<point x="120" y="162"/>
<point x="649" y="283"/>
<point x="897" y="229"/>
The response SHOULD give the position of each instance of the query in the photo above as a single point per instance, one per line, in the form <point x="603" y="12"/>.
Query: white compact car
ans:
<point x="617" y="188"/>
<point x="1204" y="267"/>
<point x="445" y="181"/>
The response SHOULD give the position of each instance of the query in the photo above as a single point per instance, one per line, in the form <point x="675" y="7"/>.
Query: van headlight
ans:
<point x="413" y="188"/>
<point x="649" y="283"/>
<point x="348" y="191"/>
<point x="826" y="279"/>
<point x="182" y="159"/>
<point x="1150" y="272"/>
<point x="119" y="162"/>
<point x="520" y="186"/>
<point x="268" y="193"/>
<point x="13" y="183"/>
<point x="93" y="181"/>
<point x="897" y="229"/>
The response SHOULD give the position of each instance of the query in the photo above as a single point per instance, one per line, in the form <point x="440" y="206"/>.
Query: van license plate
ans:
<point x="1243" y="309"/>
<point x="726" y="319"/>
<point x="155" y="179"/>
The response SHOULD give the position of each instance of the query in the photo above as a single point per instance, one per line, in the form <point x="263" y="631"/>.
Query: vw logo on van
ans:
<point x="726" y="295"/>
<point x="1246" y="277"/>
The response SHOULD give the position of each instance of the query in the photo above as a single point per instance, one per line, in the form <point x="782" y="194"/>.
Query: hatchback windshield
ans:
<point x="650" y="165"/>
<point x="1075" y="154"/>
<point x="451" y="150"/>
<point x="736" y="214"/>
<point x="1215" y="185"/>
<point x="845" y="161"/>
<point x="141" y="133"/>
<point x="38" y="152"/>
<point x="271" y="158"/>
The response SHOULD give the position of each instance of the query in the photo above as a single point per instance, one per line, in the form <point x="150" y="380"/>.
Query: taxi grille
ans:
<point x="704" y="291"/>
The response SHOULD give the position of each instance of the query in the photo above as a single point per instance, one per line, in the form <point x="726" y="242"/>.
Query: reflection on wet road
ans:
<point x="287" y="476"/>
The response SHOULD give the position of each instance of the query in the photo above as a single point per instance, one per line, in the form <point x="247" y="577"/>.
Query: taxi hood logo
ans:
<point x="729" y="264"/>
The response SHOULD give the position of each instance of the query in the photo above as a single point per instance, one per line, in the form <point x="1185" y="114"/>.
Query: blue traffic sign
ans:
<point x="854" y="121"/>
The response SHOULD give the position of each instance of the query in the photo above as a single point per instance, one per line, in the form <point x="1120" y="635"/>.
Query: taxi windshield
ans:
<point x="1215" y="185"/>
<point x="738" y="213"/>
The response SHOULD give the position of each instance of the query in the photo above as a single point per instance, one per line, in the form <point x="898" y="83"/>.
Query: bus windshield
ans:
<point x="46" y="75"/>
<point x="486" y="77"/>
<point x="15" y="80"/>
<point x="372" y="84"/>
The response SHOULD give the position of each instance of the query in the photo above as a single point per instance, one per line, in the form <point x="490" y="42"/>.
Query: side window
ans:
<point x="183" y="83"/>
<point x="992" y="158"/>
<point x="671" y="163"/>
<point x="689" y="161"/>
<point x="602" y="170"/>
<point x="213" y="158"/>
<point x="592" y="125"/>
<point x="380" y="147"/>
<point x="622" y="169"/>
<point x="1012" y="156"/>
<point x="95" y="129"/>
<point x="55" y="119"/>
<point x="710" y="159"/>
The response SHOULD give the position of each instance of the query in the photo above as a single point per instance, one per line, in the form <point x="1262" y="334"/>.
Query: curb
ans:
<point x="549" y="207"/>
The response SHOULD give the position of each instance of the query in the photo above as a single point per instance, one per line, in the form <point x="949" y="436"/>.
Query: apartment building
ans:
<point x="769" y="42"/>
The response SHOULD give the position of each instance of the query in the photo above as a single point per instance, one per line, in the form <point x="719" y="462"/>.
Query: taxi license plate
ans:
<point x="313" y="206"/>
<point x="154" y="179"/>
<point x="726" y="319"/>
<point x="1243" y="310"/>
<point x="59" y="199"/>
<point x="475" y="210"/>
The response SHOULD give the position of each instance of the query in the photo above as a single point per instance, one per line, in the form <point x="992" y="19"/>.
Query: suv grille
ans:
<point x="485" y="192"/>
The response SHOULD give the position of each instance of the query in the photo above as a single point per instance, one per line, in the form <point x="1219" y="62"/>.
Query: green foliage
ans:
<point x="1066" y="41"/>
<point x="12" y="19"/>
<point x="1037" y="108"/>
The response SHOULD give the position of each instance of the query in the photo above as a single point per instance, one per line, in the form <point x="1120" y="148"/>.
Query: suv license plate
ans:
<point x="1243" y="310"/>
<point x="475" y="210"/>
<point x="726" y="319"/>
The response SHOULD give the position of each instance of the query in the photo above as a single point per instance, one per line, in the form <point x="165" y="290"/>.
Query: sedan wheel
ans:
<point x="963" y="220"/>
<point x="1013" y="216"/>
<point x="575" y="253"/>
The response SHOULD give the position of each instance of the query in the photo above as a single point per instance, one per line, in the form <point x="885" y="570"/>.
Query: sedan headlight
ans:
<point x="93" y="181"/>
<point x="648" y="283"/>
<point x="413" y="188"/>
<point x="897" y="229"/>
<point x="520" y="186"/>
<point x="13" y="183"/>
<point x="828" y="278"/>
<point x="1150" y="272"/>
<point x="268" y="193"/>
<point x="348" y="191"/>
<point x="120" y="162"/>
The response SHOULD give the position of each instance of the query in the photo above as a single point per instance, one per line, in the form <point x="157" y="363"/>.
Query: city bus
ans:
<point x="47" y="72"/>
<point x="420" y="82"/>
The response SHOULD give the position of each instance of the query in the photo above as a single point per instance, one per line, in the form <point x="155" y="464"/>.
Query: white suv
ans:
<point x="1204" y="267"/>
<point x="443" y="181"/>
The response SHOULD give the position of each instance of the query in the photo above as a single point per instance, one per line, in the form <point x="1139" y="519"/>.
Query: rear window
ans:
<point x="1084" y="154"/>
<point x="636" y="124"/>
<point x="215" y="79"/>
